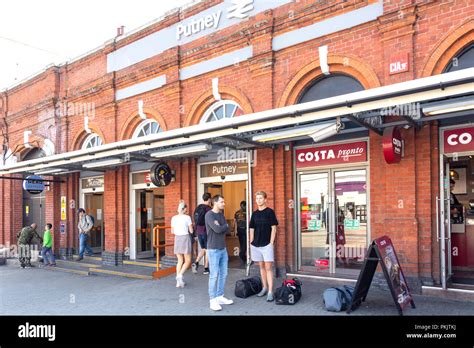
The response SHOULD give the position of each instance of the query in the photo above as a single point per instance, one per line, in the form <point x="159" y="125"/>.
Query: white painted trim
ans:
<point x="266" y="119"/>
<point x="328" y="26"/>
<point x="141" y="87"/>
<point x="448" y="289"/>
<point x="321" y="277"/>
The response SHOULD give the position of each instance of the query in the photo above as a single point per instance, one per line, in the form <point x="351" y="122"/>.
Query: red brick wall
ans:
<point x="402" y="195"/>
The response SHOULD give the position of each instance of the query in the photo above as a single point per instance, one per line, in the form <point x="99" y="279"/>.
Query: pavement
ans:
<point x="39" y="291"/>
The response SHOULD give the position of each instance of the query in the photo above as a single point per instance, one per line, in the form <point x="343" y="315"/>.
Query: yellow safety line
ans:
<point x="76" y="271"/>
<point x="122" y="274"/>
<point x="78" y="263"/>
<point x="138" y="263"/>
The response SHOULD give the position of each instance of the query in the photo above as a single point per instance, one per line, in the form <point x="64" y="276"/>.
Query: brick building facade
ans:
<point x="266" y="61"/>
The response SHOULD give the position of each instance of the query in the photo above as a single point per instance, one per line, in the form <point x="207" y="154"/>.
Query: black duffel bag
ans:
<point x="289" y="293"/>
<point x="248" y="287"/>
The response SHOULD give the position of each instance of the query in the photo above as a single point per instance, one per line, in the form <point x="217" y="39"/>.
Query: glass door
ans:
<point x="350" y="190"/>
<point x="444" y="222"/>
<point x="94" y="207"/>
<point x="315" y="221"/>
<point x="144" y="222"/>
<point x="333" y="220"/>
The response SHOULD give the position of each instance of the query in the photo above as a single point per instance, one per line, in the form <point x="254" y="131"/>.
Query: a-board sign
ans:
<point x="381" y="251"/>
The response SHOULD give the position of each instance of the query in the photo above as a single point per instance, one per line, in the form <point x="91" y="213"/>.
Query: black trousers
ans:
<point x="243" y="245"/>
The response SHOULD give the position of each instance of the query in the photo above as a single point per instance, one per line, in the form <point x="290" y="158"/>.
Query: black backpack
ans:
<point x="200" y="215"/>
<point x="289" y="293"/>
<point x="248" y="287"/>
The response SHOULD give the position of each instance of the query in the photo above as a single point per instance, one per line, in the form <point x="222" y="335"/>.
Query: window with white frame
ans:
<point x="92" y="140"/>
<point x="147" y="127"/>
<point x="221" y="110"/>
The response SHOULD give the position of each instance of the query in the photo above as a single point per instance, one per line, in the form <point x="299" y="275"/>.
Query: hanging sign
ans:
<point x="331" y="154"/>
<point x="33" y="184"/>
<point x="392" y="145"/>
<point x="458" y="140"/>
<point x="161" y="174"/>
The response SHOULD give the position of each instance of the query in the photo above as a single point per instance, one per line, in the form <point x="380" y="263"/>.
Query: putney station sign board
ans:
<point x="218" y="17"/>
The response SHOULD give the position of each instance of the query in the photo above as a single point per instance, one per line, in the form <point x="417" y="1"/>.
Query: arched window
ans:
<point x="221" y="110"/>
<point x="330" y="86"/>
<point x="147" y="127"/>
<point x="92" y="140"/>
<point x="462" y="60"/>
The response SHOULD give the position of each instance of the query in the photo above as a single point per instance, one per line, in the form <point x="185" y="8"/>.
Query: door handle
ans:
<point x="437" y="218"/>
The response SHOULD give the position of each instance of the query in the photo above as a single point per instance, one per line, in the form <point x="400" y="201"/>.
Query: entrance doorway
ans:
<point x="92" y="200"/>
<point x="146" y="212"/>
<point x="457" y="215"/>
<point x="229" y="179"/>
<point x="333" y="220"/>
<point x="93" y="205"/>
<point x="455" y="207"/>
<point x="34" y="204"/>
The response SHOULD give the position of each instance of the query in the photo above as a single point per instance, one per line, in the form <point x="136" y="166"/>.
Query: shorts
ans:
<point x="202" y="238"/>
<point x="260" y="254"/>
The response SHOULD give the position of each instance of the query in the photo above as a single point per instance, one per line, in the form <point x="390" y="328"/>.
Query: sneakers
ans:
<point x="79" y="259"/>
<point x="262" y="293"/>
<point x="224" y="301"/>
<point x="179" y="282"/>
<point x="214" y="305"/>
<point x="206" y="271"/>
<point x="194" y="267"/>
<point x="270" y="297"/>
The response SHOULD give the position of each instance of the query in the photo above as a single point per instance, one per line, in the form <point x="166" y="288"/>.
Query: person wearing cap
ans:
<point x="182" y="228"/>
<point x="84" y="226"/>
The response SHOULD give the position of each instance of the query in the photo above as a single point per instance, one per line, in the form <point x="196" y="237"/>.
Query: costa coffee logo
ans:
<point x="459" y="140"/>
<point x="333" y="154"/>
<point x="392" y="145"/>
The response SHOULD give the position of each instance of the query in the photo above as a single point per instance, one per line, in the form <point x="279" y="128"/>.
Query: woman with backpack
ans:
<point x="182" y="228"/>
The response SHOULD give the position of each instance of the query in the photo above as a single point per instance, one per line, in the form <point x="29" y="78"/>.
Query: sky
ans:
<point x="35" y="34"/>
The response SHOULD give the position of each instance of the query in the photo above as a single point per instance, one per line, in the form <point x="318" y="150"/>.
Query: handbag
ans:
<point x="248" y="287"/>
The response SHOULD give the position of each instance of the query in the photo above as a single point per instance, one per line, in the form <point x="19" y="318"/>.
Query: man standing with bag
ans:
<point x="200" y="223"/>
<point x="217" y="227"/>
<point x="85" y="226"/>
<point x="263" y="228"/>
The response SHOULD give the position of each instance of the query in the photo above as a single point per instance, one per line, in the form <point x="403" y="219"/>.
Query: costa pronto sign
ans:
<point x="459" y="140"/>
<point x="331" y="154"/>
<point x="392" y="145"/>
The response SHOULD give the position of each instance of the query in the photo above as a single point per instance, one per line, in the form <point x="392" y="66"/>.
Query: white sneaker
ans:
<point x="224" y="301"/>
<point x="214" y="305"/>
<point x="179" y="282"/>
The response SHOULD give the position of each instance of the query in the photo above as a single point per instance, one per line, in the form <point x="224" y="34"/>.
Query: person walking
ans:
<point x="182" y="228"/>
<point x="217" y="228"/>
<point x="200" y="223"/>
<point x="47" y="251"/>
<point x="84" y="226"/>
<point x="263" y="227"/>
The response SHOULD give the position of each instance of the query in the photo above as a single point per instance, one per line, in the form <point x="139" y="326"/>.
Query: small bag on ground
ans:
<point x="248" y="287"/>
<point x="289" y="293"/>
<point x="338" y="299"/>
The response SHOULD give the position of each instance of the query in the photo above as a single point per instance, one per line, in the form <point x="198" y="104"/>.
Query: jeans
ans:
<point x="83" y="245"/>
<point x="45" y="252"/>
<point x="218" y="261"/>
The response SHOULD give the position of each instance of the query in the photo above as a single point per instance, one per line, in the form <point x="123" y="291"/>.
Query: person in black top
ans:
<point x="263" y="226"/>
